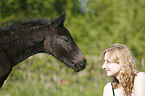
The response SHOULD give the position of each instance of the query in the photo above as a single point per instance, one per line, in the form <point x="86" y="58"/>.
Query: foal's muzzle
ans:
<point x="80" y="65"/>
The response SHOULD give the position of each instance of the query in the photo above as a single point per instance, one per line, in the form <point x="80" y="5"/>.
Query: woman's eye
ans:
<point x="108" y="61"/>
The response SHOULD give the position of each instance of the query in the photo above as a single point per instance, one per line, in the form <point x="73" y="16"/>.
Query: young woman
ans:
<point x="126" y="81"/>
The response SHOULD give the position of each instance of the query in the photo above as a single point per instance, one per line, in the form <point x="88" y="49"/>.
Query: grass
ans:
<point x="53" y="79"/>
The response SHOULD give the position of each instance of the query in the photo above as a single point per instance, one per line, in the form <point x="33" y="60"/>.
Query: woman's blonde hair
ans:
<point x="121" y="54"/>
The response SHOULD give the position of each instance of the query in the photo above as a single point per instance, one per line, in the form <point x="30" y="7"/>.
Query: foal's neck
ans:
<point x="23" y="43"/>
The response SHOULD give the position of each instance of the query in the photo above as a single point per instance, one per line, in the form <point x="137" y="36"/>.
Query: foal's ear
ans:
<point x="58" y="21"/>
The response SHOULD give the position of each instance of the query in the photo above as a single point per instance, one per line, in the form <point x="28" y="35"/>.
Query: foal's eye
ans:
<point x="65" y="39"/>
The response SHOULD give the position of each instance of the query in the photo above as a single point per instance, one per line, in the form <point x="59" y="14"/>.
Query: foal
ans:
<point x="21" y="40"/>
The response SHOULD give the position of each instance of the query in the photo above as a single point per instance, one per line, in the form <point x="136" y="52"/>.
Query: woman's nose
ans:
<point x="104" y="66"/>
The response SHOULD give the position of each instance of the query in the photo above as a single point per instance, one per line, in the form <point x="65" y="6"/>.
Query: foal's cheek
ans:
<point x="47" y="45"/>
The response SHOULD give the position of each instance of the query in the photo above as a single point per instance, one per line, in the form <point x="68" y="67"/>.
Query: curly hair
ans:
<point x="121" y="54"/>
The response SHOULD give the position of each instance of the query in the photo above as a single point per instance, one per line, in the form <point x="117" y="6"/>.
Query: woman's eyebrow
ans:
<point x="108" y="61"/>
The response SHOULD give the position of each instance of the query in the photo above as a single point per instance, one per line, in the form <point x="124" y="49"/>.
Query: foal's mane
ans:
<point x="18" y="24"/>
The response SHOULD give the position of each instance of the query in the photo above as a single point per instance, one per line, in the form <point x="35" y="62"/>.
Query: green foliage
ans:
<point x="94" y="25"/>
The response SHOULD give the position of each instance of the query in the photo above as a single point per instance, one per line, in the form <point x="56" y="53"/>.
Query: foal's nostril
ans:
<point x="84" y="62"/>
<point x="80" y="65"/>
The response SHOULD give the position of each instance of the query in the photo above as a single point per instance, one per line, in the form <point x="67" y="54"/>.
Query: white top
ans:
<point x="139" y="87"/>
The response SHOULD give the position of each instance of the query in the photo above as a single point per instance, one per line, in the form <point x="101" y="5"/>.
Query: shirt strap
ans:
<point x="112" y="89"/>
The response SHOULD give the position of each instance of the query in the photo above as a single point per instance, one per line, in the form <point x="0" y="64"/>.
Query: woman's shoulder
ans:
<point x="107" y="89"/>
<point x="139" y="84"/>
<point x="108" y="85"/>
<point x="139" y="79"/>
<point x="140" y="75"/>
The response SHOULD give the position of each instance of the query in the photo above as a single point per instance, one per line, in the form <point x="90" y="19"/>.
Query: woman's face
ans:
<point x="111" y="68"/>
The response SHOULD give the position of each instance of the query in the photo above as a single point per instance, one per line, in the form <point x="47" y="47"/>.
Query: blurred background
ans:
<point x="95" y="25"/>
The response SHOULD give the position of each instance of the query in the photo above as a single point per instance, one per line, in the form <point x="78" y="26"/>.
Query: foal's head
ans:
<point x="60" y="44"/>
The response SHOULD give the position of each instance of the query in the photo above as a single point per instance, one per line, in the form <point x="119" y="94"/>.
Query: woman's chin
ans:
<point x="109" y="74"/>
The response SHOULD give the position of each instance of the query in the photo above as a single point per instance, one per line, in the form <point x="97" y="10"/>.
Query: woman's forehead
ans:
<point x="106" y="57"/>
